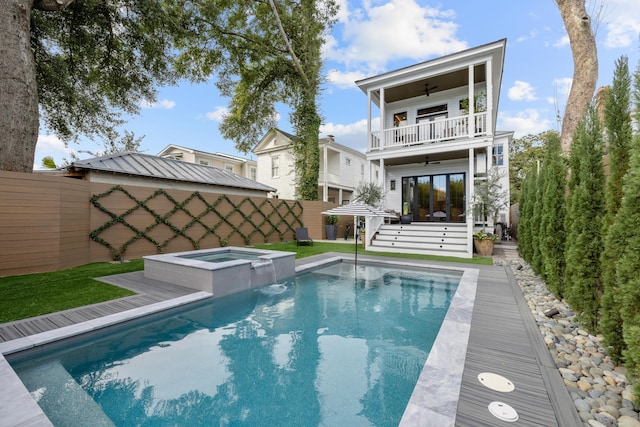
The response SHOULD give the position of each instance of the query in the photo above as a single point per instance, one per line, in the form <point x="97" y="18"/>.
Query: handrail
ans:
<point x="428" y="132"/>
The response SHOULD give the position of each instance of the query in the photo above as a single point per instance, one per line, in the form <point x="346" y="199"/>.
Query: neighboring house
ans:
<point x="237" y="165"/>
<point x="145" y="170"/>
<point x="432" y="145"/>
<point x="341" y="168"/>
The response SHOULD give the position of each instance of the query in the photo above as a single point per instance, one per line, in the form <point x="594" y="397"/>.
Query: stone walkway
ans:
<point x="599" y="389"/>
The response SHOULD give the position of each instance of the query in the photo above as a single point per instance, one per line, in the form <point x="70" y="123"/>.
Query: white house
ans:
<point x="433" y="145"/>
<point x="238" y="165"/>
<point x="342" y="169"/>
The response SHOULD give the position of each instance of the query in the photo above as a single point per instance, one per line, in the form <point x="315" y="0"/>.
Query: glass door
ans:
<point x="438" y="198"/>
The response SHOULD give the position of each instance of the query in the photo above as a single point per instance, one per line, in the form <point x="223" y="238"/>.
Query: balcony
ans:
<point x="428" y="132"/>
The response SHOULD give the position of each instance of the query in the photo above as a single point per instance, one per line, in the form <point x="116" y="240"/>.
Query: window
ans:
<point x="392" y="185"/>
<point x="253" y="173"/>
<point x="347" y="161"/>
<point x="362" y="169"/>
<point x="228" y="168"/>
<point x="204" y="162"/>
<point x="400" y="119"/>
<point x="498" y="156"/>
<point x="275" y="166"/>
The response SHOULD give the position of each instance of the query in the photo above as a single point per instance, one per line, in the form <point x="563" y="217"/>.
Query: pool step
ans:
<point x="427" y="238"/>
<point x="62" y="398"/>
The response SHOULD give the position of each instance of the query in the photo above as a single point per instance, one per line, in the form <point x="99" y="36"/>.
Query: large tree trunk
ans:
<point x="19" y="119"/>
<point x="585" y="66"/>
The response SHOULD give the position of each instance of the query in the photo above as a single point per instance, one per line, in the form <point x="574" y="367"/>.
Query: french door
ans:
<point x="436" y="198"/>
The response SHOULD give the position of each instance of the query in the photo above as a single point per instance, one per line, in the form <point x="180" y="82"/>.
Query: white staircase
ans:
<point x="428" y="238"/>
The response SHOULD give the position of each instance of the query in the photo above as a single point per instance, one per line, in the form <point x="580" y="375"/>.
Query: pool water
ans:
<point x="222" y="256"/>
<point x="333" y="346"/>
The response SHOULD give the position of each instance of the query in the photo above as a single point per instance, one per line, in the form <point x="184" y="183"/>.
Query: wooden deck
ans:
<point x="147" y="292"/>
<point x="504" y="340"/>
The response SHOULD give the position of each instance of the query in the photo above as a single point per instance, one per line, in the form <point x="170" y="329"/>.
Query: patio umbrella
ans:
<point x="356" y="210"/>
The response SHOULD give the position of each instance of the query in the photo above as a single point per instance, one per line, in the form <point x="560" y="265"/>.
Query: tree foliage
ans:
<point x="368" y="193"/>
<point x="552" y="237"/>
<point x="266" y="52"/>
<point x="91" y="61"/>
<point x="584" y="241"/>
<point x="525" y="154"/>
<point x="628" y="265"/>
<point x="617" y="117"/>
<point x="527" y="204"/>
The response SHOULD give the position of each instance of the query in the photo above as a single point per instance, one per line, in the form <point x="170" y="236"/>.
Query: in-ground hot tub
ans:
<point x="221" y="271"/>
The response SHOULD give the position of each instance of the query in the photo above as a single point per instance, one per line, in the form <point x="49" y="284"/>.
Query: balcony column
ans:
<point x="469" y="211"/>
<point x="471" y="127"/>
<point x="489" y="111"/>
<point x="382" y="180"/>
<point x="369" y="136"/>
<point x="383" y="141"/>
<point x="340" y="195"/>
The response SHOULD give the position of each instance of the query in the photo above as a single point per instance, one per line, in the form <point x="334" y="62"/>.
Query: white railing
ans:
<point x="428" y="132"/>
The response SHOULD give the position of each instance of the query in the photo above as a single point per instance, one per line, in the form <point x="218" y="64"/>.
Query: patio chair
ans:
<point x="302" y="236"/>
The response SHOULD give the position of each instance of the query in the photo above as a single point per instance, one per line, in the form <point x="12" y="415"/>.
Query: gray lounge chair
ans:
<point x="302" y="236"/>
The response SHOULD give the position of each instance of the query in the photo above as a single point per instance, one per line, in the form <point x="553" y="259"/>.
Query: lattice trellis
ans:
<point x="264" y="219"/>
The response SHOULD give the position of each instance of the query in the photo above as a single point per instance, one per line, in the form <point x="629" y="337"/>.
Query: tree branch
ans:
<point x="296" y="61"/>
<point x="51" y="5"/>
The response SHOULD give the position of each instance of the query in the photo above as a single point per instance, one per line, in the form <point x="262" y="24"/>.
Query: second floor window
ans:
<point x="347" y="161"/>
<point x="204" y="162"/>
<point x="253" y="174"/>
<point x="228" y="168"/>
<point x="275" y="166"/>
<point x="498" y="156"/>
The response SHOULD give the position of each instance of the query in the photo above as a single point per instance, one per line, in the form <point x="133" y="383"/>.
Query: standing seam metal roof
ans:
<point x="140" y="164"/>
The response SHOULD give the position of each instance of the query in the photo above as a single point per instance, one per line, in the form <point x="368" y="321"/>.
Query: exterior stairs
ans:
<point x="428" y="238"/>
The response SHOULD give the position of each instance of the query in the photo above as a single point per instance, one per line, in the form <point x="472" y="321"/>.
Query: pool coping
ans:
<point x="435" y="395"/>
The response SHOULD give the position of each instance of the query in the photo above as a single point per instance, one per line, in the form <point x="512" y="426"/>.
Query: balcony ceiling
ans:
<point x="443" y="82"/>
<point x="434" y="158"/>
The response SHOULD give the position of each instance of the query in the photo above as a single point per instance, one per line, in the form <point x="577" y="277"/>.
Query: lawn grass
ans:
<point x="36" y="294"/>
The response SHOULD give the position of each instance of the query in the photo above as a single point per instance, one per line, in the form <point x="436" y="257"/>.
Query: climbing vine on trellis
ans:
<point x="265" y="219"/>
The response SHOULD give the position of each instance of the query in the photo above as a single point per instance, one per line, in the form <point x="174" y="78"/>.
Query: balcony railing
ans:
<point x="429" y="132"/>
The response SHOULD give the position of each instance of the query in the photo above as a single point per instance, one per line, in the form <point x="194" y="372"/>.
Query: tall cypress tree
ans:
<point x="552" y="237"/>
<point x="536" y="220"/>
<point x="584" y="240"/>
<point x="628" y="265"/>
<point x="619" y="135"/>
<point x="526" y="214"/>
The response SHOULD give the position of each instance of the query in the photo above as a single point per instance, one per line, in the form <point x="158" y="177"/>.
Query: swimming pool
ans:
<point x="364" y="362"/>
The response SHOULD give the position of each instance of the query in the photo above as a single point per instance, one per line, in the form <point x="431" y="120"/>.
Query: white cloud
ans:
<point x="352" y="135"/>
<point x="165" y="104"/>
<point x="562" y="41"/>
<point x="621" y="23"/>
<point x="50" y="145"/>
<point x="345" y="80"/>
<point x="524" y="122"/>
<point x="521" y="91"/>
<point x="371" y="33"/>
<point x="531" y="35"/>
<point x="218" y="114"/>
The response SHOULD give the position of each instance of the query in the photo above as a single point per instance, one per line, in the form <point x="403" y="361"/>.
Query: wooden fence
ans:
<point x="49" y="223"/>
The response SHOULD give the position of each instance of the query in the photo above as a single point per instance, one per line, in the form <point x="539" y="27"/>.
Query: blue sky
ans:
<point x="375" y="36"/>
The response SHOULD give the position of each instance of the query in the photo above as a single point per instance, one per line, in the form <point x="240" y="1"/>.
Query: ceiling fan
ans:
<point x="427" y="88"/>
<point x="427" y="162"/>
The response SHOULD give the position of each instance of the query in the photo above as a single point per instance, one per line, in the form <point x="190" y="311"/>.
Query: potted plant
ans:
<point x="405" y="218"/>
<point x="331" y="227"/>
<point x="488" y="199"/>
